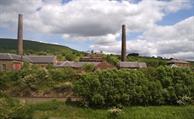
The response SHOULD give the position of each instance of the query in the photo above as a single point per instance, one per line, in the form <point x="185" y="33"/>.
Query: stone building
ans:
<point x="10" y="62"/>
<point x="179" y="63"/>
<point x="42" y="60"/>
<point x="131" y="65"/>
<point x="93" y="57"/>
<point x="79" y="65"/>
<point x="13" y="62"/>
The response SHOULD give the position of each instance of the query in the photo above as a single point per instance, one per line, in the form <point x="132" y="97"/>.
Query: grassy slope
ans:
<point x="32" y="47"/>
<point x="61" y="111"/>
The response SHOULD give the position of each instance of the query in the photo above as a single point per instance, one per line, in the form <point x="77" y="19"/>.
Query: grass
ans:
<point x="59" y="110"/>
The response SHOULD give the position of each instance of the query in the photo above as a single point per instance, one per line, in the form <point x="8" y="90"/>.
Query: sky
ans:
<point x="154" y="27"/>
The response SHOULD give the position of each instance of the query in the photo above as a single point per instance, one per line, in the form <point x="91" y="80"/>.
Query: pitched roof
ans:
<point x="37" y="59"/>
<point x="132" y="65"/>
<point x="75" y="64"/>
<point x="178" y="61"/>
<point x="8" y="56"/>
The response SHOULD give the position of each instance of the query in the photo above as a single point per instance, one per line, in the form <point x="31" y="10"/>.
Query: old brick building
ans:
<point x="13" y="62"/>
<point x="179" y="63"/>
<point x="10" y="62"/>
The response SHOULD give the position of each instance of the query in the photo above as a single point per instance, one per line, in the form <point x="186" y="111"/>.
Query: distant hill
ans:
<point x="32" y="47"/>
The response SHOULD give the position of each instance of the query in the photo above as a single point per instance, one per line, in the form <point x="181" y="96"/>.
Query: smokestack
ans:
<point x="20" y="34"/>
<point x="123" y="47"/>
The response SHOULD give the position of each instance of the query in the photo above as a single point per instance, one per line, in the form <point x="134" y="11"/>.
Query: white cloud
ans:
<point x="101" y="20"/>
<point x="168" y="41"/>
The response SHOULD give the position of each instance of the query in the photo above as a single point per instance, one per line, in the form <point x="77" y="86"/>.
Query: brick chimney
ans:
<point x="20" y="35"/>
<point x="123" y="47"/>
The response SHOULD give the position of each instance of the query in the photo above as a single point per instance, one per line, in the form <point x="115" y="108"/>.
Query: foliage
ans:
<point x="163" y="85"/>
<point x="33" y="80"/>
<point x="185" y="100"/>
<point x="133" y="54"/>
<point x="54" y="109"/>
<point x="13" y="109"/>
<point x="112" y="59"/>
<point x="104" y="88"/>
<point x="88" y="67"/>
<point x="62" y="87"/>
<point x="150" y="61"/>
<point x="63" y="74"/>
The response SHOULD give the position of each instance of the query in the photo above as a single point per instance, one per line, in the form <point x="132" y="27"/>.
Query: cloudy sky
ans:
<point x="154" y="27"/>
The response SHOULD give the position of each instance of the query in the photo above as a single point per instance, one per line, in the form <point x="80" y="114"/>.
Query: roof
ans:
<point x="75" y="64"/>
<point x="132" y="65"/>
<point x="8" y="56"/>
<point x="39" y="59"/>
<point x="31" y="58"/>
<point x="178" y="61"/>
<point x="92" y="58"/>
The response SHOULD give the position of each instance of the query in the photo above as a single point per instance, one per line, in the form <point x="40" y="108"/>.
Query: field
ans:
<point x="60" y="110"/>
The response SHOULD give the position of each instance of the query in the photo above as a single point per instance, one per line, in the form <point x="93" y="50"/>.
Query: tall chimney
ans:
<point x="20" y="34"/>
<point x="123" y="48"/>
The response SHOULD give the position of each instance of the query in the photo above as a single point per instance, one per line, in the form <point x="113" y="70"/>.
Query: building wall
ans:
<point x="182" y="64"/>
<point x="10" y="65"/>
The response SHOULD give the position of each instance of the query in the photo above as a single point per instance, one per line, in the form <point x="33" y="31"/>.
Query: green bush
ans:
<point x="13" y="109"/>
<point x="64" y="74"/>
<point x="88" y="67"/>
<point x="162" y="85"/>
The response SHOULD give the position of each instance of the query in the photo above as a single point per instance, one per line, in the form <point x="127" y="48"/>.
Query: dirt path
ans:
<point x="32" y="100"/>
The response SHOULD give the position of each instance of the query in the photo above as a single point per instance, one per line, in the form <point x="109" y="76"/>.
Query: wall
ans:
<point x="6" y="65"/>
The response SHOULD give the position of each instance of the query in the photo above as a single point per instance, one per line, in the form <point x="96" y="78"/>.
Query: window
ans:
<point x="2" y="67"/>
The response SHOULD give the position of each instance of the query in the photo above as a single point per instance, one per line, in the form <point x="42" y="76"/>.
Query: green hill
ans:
<point x="63" y="52"/>
<point x="32" y="47"/>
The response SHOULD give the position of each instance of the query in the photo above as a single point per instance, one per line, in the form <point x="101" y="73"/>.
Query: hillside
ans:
<point x="63" y="52"/>
<point x="33" y="47"/>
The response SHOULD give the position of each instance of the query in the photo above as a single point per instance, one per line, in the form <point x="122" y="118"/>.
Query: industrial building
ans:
<point x="179" y="63"/>
<point x="13" y="62"/>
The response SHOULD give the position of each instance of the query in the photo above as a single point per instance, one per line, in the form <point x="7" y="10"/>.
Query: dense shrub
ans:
<point x="63" y="74"/>
<point x="88" y="67"/>
<point x="63" y="87"/>
<point x="113" y="87"/>
<point x="36" y="80"/>
<point x="114" y="60"/>
<point x="13" y="109"/>
<point x="163" y="85"/>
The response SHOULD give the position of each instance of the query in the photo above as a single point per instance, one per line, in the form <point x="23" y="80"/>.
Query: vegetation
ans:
<point x="150" y="61"/>
<point x="88" y="67"/>
<point x="13" y="109"/>
<point x="33" y="47"/>
<point x="37" y="81"/>
<point x="112" y="59"/>
<point x="151" y="86"/>
<point x="104" y="88"/>
<point x="134" y="57"/>
<point x="105" y="94"/>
